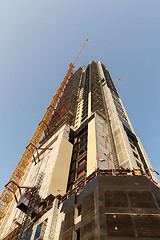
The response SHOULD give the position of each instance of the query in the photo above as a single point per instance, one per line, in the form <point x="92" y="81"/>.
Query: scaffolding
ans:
<point x="17" y="176"/>
<point x="66" y="108"/>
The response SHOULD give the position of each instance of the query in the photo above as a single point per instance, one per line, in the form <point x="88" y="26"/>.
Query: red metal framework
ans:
<point x="58" y="113"/>
<point x="19" y="188"/>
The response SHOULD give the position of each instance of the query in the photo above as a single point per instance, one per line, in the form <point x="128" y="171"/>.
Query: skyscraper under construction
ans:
<point x="90" y="176"/>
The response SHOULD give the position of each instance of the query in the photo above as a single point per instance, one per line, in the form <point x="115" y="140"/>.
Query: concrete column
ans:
<point x="60" y="172"/>
<point x="92" y="152"/>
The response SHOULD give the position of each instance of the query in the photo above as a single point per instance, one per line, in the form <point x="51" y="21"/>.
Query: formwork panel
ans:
<point x="116" y="199"/>
<point x="147" y="226"/>
<point x="119" y="225"/>
<point x="69" y="219"/>
<point x="67" y="225"/>
<point x="88" y="205"/>
<point x="87" y="230"/>
<point x="137" y="199"/>
<point x="88" y="217"/>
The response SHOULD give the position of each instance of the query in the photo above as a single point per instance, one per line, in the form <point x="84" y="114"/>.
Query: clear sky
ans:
<point x="40" y="38"/>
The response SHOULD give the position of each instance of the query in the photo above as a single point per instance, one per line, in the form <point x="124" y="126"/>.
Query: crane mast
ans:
<point x="17" y="176"/>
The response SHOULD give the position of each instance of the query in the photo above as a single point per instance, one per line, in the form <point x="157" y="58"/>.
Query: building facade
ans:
<point x="91" y="152"/>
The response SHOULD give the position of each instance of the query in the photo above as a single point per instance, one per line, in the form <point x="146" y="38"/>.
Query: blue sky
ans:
<point x="39" y="39"/>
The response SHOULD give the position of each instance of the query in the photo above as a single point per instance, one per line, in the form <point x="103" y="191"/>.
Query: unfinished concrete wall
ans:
<point x="121" y="207"/>
<point x="129" y="155"/>
<point x="53" y="219"/>
<point x="123" y="149"/>
<point x="103" y="144"/>
<point x="147" y="161"/>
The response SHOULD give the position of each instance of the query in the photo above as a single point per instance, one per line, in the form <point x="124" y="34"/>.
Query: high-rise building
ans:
<point x="94" y="178"/>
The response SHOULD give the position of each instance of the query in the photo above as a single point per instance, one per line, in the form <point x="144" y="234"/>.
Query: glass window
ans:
<point x="27" y="236"/>
<point x="37" y="233"/>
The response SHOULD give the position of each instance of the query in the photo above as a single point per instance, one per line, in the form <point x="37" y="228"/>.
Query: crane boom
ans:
<point x="80" y="51"/>
<point x="10" y="190"/>
<point x="116" y="80"/>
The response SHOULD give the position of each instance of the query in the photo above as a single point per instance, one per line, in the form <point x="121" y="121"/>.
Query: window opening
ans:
<point x="37" y="233"/>
<point x="79" y="210"/>
<point x="135" y="154"/>
<point x="81" y="162"/>
<point x="132" y="146"/>
<point x="79" y="158"/>
<point x="78" y="234"/>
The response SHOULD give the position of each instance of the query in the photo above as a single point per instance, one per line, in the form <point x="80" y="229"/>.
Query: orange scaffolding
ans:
<point x="17" y="176"/>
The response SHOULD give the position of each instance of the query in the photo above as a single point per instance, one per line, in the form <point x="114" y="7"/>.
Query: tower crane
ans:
<point x="116" y="80"/>
<point x="17" y="176"/>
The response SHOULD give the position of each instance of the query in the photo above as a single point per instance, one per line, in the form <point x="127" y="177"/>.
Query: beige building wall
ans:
<point x="52" y="162"/>
<point x="91" y="148"/>
<point x="60" y="171"/>
<point x="123" y="149"/>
